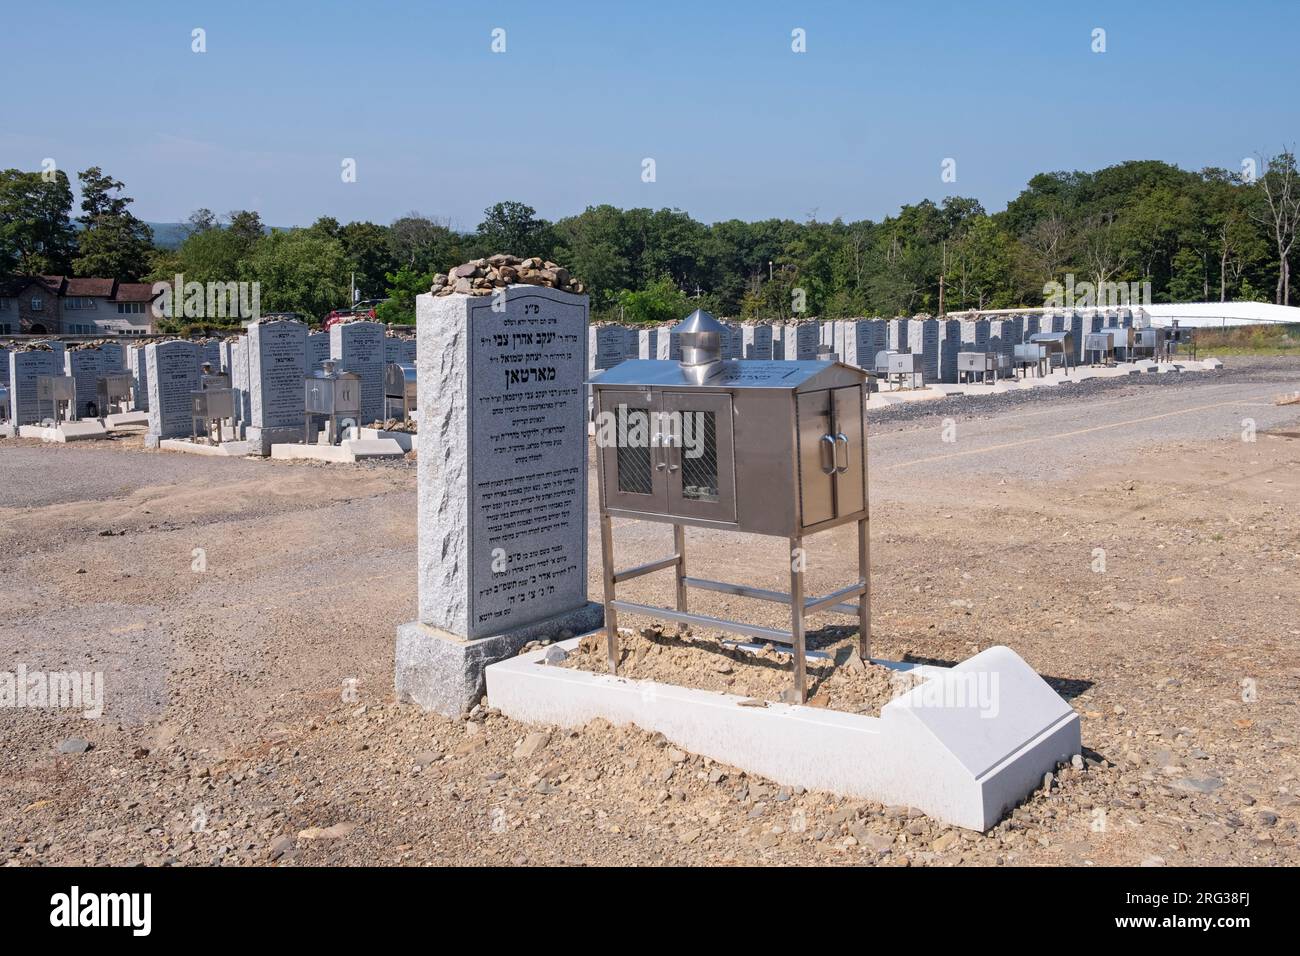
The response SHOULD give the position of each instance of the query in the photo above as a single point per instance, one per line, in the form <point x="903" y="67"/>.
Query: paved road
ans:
<point x="1062" y="436"/>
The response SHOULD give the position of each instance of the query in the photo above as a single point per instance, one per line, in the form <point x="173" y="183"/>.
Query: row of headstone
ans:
<point x="858" y="341"/>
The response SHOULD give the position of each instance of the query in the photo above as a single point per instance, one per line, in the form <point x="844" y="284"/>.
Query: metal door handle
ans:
<point x="657" y="444"/>
<point x="841" y="437"/>
<point x="673" y="447"/>
<point x="828" y="440"/>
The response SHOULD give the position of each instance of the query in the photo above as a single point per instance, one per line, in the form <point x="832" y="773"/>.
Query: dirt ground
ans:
<point x="1129" y="541"/>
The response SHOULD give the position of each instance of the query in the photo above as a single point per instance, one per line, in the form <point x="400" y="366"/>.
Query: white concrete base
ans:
<point x="349" y="450"/>
<point x="405" y="440"/>
<point x="228" y="449"/>
<point x="126" y="420"/>
<point x="964" y="746"/>
<point x="6" y="430"/>
<point x="64" y="431"/>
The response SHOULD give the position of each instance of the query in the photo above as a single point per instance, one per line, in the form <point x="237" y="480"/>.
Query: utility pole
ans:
<point x="943" y="271"/>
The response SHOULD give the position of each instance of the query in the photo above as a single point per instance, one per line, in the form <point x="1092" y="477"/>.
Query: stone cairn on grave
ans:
<point x="481" y="276"/>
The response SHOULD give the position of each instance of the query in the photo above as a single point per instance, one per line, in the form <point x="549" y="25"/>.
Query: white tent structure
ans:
<point x="1196" y="315"/>
<point x="1202" y="315"/>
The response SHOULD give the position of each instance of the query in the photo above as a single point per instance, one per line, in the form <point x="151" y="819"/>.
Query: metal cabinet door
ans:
<point x="632" y="462"/>
<point x="850" y="451"/>
<point x="700" y="455"/>
<point x="816" y="457"/>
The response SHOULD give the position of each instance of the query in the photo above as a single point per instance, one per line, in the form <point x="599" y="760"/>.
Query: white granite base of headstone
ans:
<point x="502" y="488"/>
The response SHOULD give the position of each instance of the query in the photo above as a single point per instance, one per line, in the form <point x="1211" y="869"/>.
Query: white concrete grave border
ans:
<point x="964" y="765"/>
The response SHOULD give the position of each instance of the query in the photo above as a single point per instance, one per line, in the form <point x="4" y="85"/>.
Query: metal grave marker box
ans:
<point x="765" y="447"/>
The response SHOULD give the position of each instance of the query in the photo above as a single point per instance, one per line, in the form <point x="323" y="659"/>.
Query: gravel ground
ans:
<point x="839" y="680"/>
<point x="1128" y="544"/>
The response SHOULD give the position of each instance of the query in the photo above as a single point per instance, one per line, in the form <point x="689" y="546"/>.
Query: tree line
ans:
<point x="1210" y="235"/>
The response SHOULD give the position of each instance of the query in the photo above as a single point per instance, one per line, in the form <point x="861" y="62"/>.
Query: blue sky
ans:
<point x="738" y="124"/>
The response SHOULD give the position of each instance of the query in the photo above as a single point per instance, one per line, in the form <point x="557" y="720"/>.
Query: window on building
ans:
<point x="38" y="304"/>
<point x="130" y="308"/>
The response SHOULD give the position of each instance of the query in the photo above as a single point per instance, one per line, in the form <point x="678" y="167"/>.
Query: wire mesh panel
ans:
<point x="633" y="453"/>
<point x="700" y="456"/>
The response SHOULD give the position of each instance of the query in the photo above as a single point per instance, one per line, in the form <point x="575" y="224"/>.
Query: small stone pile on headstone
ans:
<point x="481" y="276"/>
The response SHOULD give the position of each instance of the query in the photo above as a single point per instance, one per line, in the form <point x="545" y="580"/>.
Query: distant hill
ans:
<point x="169" y="235"/>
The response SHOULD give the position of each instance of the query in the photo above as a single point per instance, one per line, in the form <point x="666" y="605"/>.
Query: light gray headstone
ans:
<point x="359" y="347"/>
<point x="949" y="347"/>
<point x="239" y="383"/>
<point x="173" y="374"/>
<point x="139" y="370"/>
<point x="114" y="357"/>
<point x="85" y="366"/>
<point x="732" y="342"/>
<point x="975" y="335"/>
<point x="756" y="341"/>
<point x="923" y="340"/>
<point x="806" y="339"/>
<point x="210" y="352"/>
<point x="24" y="369"/>
<point x="277" y="364"/>
<point x="502" y="479"/>
<point x="897" y="334"/>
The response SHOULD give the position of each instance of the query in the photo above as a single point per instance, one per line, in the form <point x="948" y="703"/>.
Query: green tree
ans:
<point x="247" y="225"/>
<point x="299" y="272"/>
<point x="370" y="256"/>
<point x="418" y="243"/>
<point x="403" y="286"/>
<point x="513" y="227"/>
<point x="36" y="232"/>
<point x="113" y="242"/>
<point x="660" y="301"/>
